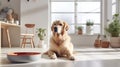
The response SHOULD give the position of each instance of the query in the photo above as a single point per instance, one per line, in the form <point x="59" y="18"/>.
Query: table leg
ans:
<point x="8" y="37"/>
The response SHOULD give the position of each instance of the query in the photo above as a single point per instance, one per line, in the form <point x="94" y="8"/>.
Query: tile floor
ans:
<point x="85" y="57"/>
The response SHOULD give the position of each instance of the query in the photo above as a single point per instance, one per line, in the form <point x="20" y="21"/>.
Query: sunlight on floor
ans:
<point x="80" y="54"/>
<point x="97" y="54"/>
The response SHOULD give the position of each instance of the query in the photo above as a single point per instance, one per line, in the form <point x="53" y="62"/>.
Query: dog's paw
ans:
<point x="71" y="58"/>
<point x="53" y="56"/>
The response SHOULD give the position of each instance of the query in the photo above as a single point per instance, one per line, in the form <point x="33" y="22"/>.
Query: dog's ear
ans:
<point x="52" y="27"/>
<point x="66" y="26"/>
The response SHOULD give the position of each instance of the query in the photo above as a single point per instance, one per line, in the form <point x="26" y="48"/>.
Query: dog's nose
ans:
<point x="55" y="29"/>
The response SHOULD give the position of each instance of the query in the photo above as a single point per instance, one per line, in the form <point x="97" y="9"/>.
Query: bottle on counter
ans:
<point x="97" y="42"/>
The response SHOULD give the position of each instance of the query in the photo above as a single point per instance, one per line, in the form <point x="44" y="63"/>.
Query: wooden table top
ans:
<point x="4" y="24"/>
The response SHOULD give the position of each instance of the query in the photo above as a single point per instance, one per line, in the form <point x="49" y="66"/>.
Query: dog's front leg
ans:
<point x="52" y="54"/>
<point x="70" y="55"/>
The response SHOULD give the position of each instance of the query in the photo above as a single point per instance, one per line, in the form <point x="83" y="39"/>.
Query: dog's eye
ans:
<point x="60" y="24"/>
<point x="54" y="24"/>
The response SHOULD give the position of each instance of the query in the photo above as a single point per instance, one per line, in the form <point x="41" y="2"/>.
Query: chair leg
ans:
<point x="21" y="45"/>
<point x="33" y="43"/>
<point x="23" y="41"/>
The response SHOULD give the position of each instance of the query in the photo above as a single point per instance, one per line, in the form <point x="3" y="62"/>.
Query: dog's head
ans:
<point x="59" y="27"/>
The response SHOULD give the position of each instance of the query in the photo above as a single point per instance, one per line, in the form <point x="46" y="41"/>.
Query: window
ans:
<point x="89" y="11"/>
<point x="63" y="11"/>
<point x="113" y="7"/>
<point x="76" y="13"/>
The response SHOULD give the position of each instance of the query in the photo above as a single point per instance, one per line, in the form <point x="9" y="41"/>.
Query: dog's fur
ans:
<point x="60" y="43"/>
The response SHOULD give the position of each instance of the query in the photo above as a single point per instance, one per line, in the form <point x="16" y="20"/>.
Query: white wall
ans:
<point x="35" y="11"/>
<point x="83" y="40"/>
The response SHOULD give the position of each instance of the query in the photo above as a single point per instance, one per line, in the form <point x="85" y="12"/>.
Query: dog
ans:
<point x="60" y="42"/>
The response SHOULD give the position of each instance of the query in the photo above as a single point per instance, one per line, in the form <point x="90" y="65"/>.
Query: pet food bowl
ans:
<point x="23" y="56"/>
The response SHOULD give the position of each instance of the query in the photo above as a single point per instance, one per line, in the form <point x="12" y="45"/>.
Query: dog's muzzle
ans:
<point x="57" y="29"/>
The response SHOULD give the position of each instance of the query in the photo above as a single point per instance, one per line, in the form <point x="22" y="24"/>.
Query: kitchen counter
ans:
<point x="9" y="30"/>
<point x="85" y="57"/>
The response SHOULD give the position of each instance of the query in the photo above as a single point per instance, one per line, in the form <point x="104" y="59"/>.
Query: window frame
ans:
<point x="75" y="15"/>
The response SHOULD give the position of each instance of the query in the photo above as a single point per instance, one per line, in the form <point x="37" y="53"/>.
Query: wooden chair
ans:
<point x="28" y="35"/>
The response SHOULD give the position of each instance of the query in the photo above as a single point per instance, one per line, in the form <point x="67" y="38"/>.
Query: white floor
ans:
<point x="85" y="57"/>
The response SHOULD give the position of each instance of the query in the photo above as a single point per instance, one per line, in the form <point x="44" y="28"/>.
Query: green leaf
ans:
<point x="41" y="33"/>
<point x="114" y="26"/>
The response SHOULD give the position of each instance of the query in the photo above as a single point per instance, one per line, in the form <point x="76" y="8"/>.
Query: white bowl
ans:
<point x="23" y="56"/>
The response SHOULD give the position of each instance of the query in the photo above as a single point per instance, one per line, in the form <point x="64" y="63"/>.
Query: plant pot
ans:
<point x="88" y="30"/>
<point x="114" y="34"/>
<point x="41" y="44"/>
<point x="115" y="42"/>
<point x="80" y="32"/>
<point x="105" y="44"/>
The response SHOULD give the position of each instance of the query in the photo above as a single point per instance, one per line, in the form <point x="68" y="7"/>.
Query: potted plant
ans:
<point x="89" y="25"/>
<point x="41" y="34"/>
<point x="114" y="30"/>
<point x="80" y="30"/>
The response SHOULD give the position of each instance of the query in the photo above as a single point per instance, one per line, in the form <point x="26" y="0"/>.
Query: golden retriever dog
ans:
<point x="60" y="42"/>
